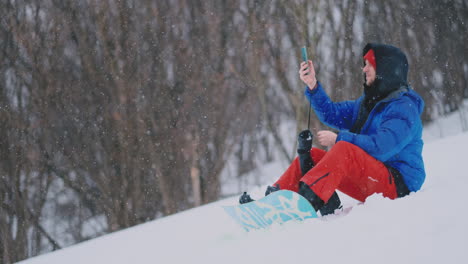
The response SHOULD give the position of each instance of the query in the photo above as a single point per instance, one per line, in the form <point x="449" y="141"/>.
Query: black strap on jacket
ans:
<point x="401" y="188"/>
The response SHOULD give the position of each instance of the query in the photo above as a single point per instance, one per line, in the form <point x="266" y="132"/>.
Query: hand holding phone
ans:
<point x="307" y="71"/>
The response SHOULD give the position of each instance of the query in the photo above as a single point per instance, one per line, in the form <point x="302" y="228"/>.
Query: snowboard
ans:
<point x="278" y="207"/>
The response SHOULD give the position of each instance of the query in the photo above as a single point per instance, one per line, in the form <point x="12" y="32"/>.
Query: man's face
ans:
<point x="370" y="73"/>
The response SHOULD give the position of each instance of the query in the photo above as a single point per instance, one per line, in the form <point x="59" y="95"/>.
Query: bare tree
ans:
<point x="113" y="113"/>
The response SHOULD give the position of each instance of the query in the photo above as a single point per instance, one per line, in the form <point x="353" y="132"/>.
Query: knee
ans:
<point x="342" y="146"/>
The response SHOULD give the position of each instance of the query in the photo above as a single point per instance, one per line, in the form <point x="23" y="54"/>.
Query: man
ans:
<point x="378" y="147"/>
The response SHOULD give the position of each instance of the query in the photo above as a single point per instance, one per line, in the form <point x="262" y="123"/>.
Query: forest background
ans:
<point x="115" y="113"/>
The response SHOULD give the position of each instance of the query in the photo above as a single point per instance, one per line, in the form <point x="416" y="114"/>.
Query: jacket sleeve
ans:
<point x="336" y="115"/>
<point x="395" y="131"/>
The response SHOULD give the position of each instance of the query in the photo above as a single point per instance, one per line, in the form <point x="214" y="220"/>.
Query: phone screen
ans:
<point x="304" y="53"/>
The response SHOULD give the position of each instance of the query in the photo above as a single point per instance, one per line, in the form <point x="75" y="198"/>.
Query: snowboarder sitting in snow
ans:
<point x="378" y="147"/>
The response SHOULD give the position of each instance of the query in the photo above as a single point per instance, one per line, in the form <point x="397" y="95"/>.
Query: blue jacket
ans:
<point x="385" y="121"/>
<point x="392" y="133"/>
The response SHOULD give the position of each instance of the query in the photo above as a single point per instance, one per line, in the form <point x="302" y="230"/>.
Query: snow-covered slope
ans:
<point x="427" y="227"/>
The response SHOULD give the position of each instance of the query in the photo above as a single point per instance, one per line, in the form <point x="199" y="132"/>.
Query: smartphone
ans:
<point x="304" y="55"/>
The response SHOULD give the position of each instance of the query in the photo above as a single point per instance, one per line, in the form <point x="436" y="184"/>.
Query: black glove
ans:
<point x="271" y="189"/>
<point x="304" y="145"/>
<point x="304" y="142"/>
<point x="245" y="198"/>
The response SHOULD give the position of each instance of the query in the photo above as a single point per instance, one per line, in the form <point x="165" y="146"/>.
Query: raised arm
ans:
<point x="340" y="115"/>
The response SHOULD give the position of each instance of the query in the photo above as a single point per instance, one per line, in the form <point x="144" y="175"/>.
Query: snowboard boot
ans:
<point x="271" y="189"/>
<point x="333" y="203"/>
<point x="304" y="145"/>
<point x="313" y="198"/>
<point x="245" y="198"/>
<point x="319" y="205"/>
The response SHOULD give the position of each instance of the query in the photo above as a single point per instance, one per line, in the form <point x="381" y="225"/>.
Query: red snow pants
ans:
<point x="345" y="167"/>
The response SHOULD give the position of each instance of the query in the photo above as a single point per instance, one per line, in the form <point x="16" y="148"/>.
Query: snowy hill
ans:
<point x="426" y="227"/>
